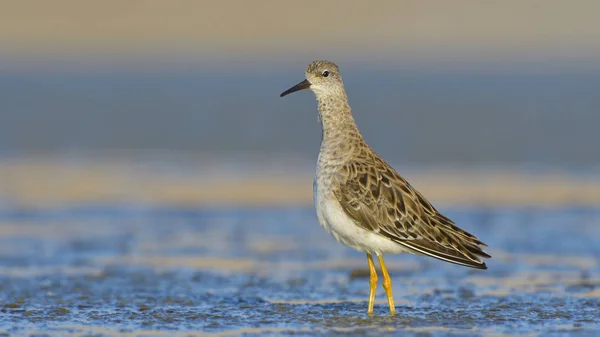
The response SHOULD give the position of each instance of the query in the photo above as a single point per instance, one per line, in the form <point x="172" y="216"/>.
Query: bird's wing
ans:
<point x="378" y="199"/>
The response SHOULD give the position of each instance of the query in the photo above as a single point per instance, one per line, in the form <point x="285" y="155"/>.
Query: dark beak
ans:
<point x="300" y="86"/>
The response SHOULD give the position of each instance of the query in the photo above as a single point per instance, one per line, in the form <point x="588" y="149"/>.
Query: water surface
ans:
<point x="108" y="270"/>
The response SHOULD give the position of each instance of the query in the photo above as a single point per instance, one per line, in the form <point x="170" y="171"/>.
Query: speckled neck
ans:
<point x="336" y="119"/>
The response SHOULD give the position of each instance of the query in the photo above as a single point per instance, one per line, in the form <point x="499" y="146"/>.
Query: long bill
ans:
<point x="300" y="86"/>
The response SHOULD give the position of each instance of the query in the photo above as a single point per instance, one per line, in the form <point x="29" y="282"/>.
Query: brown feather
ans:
<point x="378" y="199"/>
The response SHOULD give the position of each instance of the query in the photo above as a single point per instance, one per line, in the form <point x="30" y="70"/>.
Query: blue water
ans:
<point x="107" y="270"/>
<point x="414" y="116"/>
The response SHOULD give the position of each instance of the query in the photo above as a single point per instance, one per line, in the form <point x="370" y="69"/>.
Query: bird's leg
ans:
<point x="372" y="283"/>
<point x="387" y="285"/>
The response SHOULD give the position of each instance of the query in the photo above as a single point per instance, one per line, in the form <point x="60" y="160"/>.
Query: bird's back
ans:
<point x="381" y="201"/>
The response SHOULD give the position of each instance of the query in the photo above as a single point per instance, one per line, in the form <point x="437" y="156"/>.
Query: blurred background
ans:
<point x="151" y="178"/>
<point x="153" y="99"/>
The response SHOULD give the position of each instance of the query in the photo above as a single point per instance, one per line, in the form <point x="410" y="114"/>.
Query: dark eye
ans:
<point x="325" y="73"/>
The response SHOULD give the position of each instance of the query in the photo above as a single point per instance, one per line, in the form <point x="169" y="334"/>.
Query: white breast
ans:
<point x="335" y="220"/>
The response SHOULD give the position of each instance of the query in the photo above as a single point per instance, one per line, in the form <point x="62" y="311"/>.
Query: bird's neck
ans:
<point x="336" y="120"/>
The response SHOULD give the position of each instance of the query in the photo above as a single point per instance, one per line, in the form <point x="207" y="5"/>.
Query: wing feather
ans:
<point x="378" y="199"/>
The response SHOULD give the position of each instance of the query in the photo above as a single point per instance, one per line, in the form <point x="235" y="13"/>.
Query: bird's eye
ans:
<point x="325" y="73"/>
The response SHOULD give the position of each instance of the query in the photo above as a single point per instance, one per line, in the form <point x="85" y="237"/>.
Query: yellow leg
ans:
<point x="372" y="283"/>
<point x="387" y="285"/>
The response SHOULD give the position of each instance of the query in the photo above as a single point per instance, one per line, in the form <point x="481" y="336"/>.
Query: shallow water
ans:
<point x="132" y="270"/>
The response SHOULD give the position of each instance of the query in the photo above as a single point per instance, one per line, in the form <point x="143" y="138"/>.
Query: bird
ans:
<point x="364" y="203"/>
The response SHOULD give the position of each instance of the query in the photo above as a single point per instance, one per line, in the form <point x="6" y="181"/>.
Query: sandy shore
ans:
<point x="45" y="183"/>
<point x="549" y="29"/>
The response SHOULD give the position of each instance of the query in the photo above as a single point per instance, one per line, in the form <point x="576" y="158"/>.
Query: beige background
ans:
<point x="417" y="30"/>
